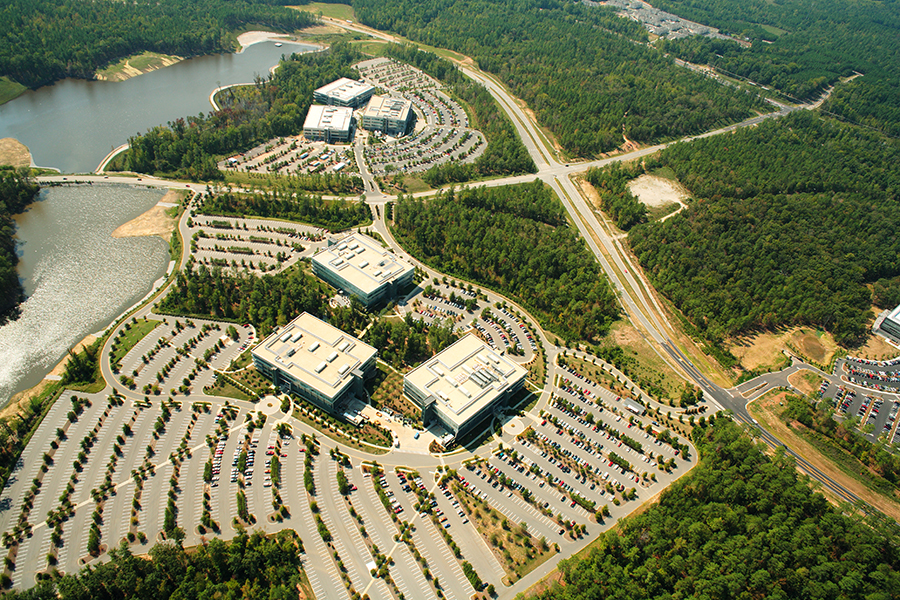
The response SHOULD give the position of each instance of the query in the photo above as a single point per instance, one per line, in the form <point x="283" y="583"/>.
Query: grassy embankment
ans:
<point x="10" y="89"/>
<point x="822" y="453"/>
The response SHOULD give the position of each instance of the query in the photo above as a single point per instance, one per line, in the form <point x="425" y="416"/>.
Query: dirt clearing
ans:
<point x="155" y="221"/>
<point x="14" y="153"/>
<point x="656" y="191"/>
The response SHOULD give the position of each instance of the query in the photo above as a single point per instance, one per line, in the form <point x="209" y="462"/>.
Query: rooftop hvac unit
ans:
<point x="342" y="247"/>
<point x="291" y="352"/>
<point x="494" y="358"/>
<point x="296" y="337"/>
<point x="343" y="345"/>
<point x="321" y="366"/>
<point x="344" y="369"/>
<point x="364" y="264"/>
<point x="332" y="356"/>
<point x="354" y="245"/>
<point x="438" y="370"/>
<point x="377" y="273"/>
<point x="337" y="262"/>
<point x="443" y="395"/>
<point x="286" y="337"/>
<point x="465" y="392"/>
<point x="314" y="347"/>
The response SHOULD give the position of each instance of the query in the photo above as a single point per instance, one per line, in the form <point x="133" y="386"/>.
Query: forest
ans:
<point x="283" y="203"/>
<point x="17" y="191"/>
<point x="505" y="153"/>
<point x="791" y="220"/>
<point x="616" y="199"/>
<point x="739" y="526"/>
<point x="800" y="47"/>
<point x="579" y="68"/>
<point x="250" y="566"/>
<point x="266" y="302"/>
<point x="410" y="341"/>
<point x="42" y="41"/>
<point x="515" y="240"/>
<point x="272" y="108"/>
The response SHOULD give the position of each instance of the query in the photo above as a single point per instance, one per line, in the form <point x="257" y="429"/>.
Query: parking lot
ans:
<point x="261" y="245"/>
<point x="293" y="156"/>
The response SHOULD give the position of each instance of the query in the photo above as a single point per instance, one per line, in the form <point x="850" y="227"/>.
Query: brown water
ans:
<point x="77" y="278"/>
<point x="73" y="124"/>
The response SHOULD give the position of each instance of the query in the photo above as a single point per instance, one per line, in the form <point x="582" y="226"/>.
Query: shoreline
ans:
<point x="17" y="400"/>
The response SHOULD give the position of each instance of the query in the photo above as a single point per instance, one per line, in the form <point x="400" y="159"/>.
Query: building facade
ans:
<point x="392" y="116"/>
<point x="344" y="92"/>
<point x="317" y="361"/>
<point x="888" y="325"/>
<point x="460" y="388"/>
<point x="330" y="124"/>
<point x="360" y="266"/>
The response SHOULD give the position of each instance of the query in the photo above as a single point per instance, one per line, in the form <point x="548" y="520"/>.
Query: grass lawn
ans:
<point x="10" y="89"/>
<point x="253" y="380"/>
<point x="517" y="550"/>
<point x="135" y="333"/>
<point x="241" y="361"/>
<point x="337" y="436"/>
<point x="335" y="11"/>
<point x="223" y="387"/>
<point x="371" y="47"/>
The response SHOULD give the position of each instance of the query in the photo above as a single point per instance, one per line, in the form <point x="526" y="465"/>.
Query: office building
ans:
<point x="328" y="124"/>
<point x="316" y="361"/>
<point x="460" y="387"/>
<point x="888" y="325"/>
<point x="360" y="266"/>
<point x="344" y="92"/>
<point x="392" y="116"/>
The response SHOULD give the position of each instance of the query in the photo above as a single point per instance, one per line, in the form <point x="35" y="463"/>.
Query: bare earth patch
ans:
<point x="811" y="344"/>
<point x="137" y="65"/>
<point x="765" y="409"/>
<point x="590" y="192"/>
<point x="153" y="222"/>
<point x="657" y="191"/>
<point x="805" y="381"/>
<point x="14" y="153"/>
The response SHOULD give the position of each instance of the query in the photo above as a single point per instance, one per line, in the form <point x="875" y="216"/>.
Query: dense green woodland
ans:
<point x="410" y="341"/>
<point x="42" y="41"/>
<point x="515" y="240"/>
<point x="802" y="46"/>
<point x="580" y="69"/>
<point x="740" y="526"/>
<point x="16" y="192"/>
<point x="616" y="199"/>
<point x="250" y="566"/>
<point x="505" y="153"/>
<point x="273" y="108"/>
<point x="791" y="220"/>
<point x="334" y="215"/>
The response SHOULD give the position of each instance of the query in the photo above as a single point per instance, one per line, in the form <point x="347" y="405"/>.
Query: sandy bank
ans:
<point x="20" y="400"/>
<point x="153" y="222"/>
<point x="14" y="153"/>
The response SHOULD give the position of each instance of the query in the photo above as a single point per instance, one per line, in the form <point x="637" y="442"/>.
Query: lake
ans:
<point x="73" y="124"/>
<point x="78" y="279"/>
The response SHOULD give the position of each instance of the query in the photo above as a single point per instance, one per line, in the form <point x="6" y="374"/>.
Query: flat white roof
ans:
<point x="328" y="117"/>
<point x="894" y="315"/>
<point x="344" y="89"/>
<point x="363" y="262"/>
<point x="381" y="107"/>
<point x="316" y="353"/>
<point x="465" y="377"/>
